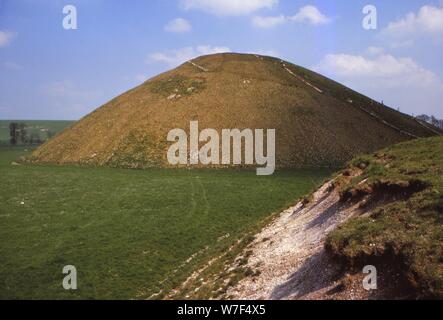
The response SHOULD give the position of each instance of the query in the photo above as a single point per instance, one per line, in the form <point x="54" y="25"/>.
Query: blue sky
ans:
<point x="47" y="72"/>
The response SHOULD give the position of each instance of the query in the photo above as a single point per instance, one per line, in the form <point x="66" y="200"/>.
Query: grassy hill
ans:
<point x="383" y="210"/>
<point x="318" y="121"/>
<point x="40" y="127"/>
<point x="403" y="186"/>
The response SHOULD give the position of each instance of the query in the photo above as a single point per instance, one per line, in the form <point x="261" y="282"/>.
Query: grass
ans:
<point x="406" y="224"/>
<point x="128" y="232"/>
<point x="33" y="126"/>
<point x="179" y="85"/>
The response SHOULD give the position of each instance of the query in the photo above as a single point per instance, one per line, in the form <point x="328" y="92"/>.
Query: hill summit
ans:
<point x="318" y="122"/>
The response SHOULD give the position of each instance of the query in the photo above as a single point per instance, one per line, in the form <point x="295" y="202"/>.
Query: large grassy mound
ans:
<point x="404" y="188"/>
<point x="318" y="121"/>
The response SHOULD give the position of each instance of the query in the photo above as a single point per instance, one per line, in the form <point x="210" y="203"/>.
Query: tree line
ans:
<point x="432" y="120"/>
<point x="19" y="134"/>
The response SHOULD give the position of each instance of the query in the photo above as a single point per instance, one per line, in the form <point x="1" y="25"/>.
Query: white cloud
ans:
<point x="228" y="7"/>
<point x="178" y="25"/>
<point x="375" y="50"/>
<point x="383" y="69"/>
<point x="311" y="15"/>
<point x="307" y="14"/>
<point x="5" y="38"/>
<point x="268" y="22"/>
<point x="400" y="82"/>
<point x="427" y="22"/>
<point x="174" y="58"/>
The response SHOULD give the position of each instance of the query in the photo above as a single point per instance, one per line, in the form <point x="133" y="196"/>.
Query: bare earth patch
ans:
<point x="289" y="255"/>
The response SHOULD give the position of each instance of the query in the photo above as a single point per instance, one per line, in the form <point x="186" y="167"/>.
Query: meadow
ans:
<point x="129" y="233"/>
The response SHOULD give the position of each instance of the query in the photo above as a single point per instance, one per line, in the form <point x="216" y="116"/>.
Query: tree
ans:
<point x="424" y="117"/>
<point x="50" y="134"/>
<point x="13" y="133"/>
<point x="22" y="134"/>
<point x="35" y="138"/>
<point x="431" y="120"/>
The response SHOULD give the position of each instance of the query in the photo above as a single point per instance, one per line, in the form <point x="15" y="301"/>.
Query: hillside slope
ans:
<point x="401" y="188"/>
<point x="384" y="210"/>
<point x="318" y="121"/>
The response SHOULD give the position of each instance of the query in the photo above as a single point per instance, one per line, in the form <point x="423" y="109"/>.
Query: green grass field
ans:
<point x="129" y="233"/>
<point x="33" y="126"/>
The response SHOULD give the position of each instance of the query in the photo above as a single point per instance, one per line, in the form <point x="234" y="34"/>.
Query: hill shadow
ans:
<point x="317" y="272"/>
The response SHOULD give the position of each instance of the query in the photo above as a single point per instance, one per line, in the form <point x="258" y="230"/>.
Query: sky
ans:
<point x="49" y="72"/>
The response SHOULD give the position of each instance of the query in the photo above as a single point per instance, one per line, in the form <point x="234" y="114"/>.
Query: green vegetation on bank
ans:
<point x="405" y="186"/>
<point x="129" y="233"/>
